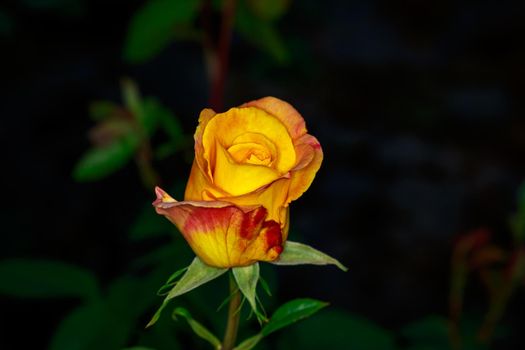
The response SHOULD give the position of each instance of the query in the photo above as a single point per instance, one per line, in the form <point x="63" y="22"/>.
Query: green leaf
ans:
<point x="269" y="10"/>
<point x="131" y="97"/>
<point x="247" y="278"/>
<point x="335" y="329"/>
<point x="298" y="254"/>
<point x="130" y="297"/>
<point x="100" y="110"/>
<point x="249" y="343"/>
<point x="44" y="279"/>
<point x="138" y="348"/>
<point x="197" y="328"/>
<point x="197" y="274"/>
<point x="172" y="126"/>
<point x="152" y="27"/>
<point x="261" y="34"/>
<point x="430" y="330"/>
<point x="100" y="162"/>
<point x="291" y="312"/>
<point x="91" y="326"/>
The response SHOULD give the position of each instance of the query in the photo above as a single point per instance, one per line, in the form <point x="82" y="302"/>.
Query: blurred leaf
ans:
<point x="430" y="331"/>
<point x="88" y="327"/>
<point x="44" y="279"/>
<point x="292" y="312"/>
<point x="100" y="110"/>
<point x="269" y="10"/>
<point x="151" y="28"/>
<point x="149" y="224"/>
<point x="261" y="34"/>
<point x="138" y="348"/>
<point x="162" y="337"/>
<point x="247" y="278"/>
<point x="198" y="328"/>
<point x="132" y="98"/>
<point x="99" y="162"/>
<point x="297" y="254"/>
<point x="171" y="125"/>
<point x="197" y="274"/>
<point x="6" y="24"/>
<point x="130" y="297"/>
<point x="335" y="329"/>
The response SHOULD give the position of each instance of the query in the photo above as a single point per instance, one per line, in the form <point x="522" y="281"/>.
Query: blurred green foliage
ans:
<point x="46" y="279"/>
<point x="158" y="23"/>
<point x="114" y="316"/>
<point x="154" y="25"/>
<point x="6" y="24"/>
<point x="124" y="132"/>
<point x="261" y="32"/>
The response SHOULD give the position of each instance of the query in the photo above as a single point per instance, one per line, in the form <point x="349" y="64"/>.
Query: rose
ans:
<point x="250" y="163"/>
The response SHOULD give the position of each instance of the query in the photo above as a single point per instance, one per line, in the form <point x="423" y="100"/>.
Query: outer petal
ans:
<point x="310" y="156"/>
<point x="221" y="233"/>
<point x="204" y="118"/>
<point x="288" y="115"/>
<point x="197" y="183"/>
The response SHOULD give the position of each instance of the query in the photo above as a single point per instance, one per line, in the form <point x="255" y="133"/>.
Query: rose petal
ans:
<point x="204" y="118"/>
<point x="238" y="179"/>
<point x="223" y="234"/>
<point x="200" y="188"/>
<point x="288" y="115"/>
<point x="226" y="127"/>
<point x="304" y="173"/>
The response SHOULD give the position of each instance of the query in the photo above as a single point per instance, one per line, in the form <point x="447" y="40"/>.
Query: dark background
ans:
<point x="418" y="106"/>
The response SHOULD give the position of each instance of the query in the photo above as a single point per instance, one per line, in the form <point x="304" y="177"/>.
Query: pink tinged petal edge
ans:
<point x="283" y="111"/>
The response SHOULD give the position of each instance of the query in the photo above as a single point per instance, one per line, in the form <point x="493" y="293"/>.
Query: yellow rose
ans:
<point x="250" y="163"/>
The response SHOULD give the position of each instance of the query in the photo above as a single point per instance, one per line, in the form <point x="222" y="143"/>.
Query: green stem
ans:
<point x="230" y="336"/>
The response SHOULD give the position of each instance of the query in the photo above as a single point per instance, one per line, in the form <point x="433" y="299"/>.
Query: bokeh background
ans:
<point x="418" y="106"/>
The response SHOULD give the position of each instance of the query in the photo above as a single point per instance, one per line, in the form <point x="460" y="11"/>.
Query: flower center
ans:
<point x="250" y="153"/>
<point x="253" y="148"/>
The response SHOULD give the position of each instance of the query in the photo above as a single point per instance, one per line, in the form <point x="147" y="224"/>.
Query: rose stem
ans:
<point x="218" y="74"/>
<point x="230" y="335"/>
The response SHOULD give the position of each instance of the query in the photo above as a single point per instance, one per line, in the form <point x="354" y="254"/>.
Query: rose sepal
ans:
<point x="197" y="274"/>
<point x="295" y="253"/>
<point x="247" y="278"/>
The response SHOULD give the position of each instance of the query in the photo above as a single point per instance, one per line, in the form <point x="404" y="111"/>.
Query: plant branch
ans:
<point x="218" y="64"/>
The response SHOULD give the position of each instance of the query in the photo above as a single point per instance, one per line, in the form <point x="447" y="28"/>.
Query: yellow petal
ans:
<point x="288" y="115"/>
<point x="204" y="118"/>
<point x="221" y="233"/>
<point x="238" y="179"/>
<point x="225" y="128"/>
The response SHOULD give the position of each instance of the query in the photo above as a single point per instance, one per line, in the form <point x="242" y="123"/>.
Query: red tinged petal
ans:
<point x="221" y="233"/>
